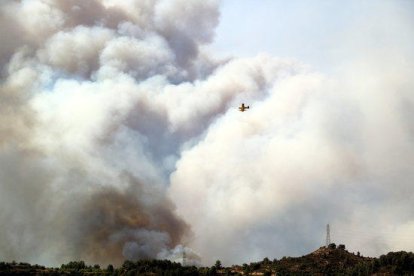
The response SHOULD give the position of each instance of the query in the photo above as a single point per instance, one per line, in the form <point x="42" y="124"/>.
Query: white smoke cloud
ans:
<point x="302" y="157"/>
<point x="182" y="254"/>
<point x="120" y="138"/>
<point x="76" y="51"/>
<point x="79" y="122"/>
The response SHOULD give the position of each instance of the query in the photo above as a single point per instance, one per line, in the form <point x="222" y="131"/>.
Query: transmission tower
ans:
<point x="328" y="236"/>
<point x="184" y="257"/>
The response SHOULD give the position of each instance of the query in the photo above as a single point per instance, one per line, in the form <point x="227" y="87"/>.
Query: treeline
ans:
<point x="395" y="263"/>
<point x="339" y="263"/>
<point x="336" y="261"/>
<point x="141" y="267"/>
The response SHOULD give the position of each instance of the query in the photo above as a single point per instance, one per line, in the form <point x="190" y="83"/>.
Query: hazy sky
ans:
<point x="120" y="135"/>
<point x="321" y="33"/>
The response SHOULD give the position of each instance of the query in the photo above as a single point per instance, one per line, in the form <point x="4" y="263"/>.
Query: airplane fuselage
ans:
<point x="243" y="108"/>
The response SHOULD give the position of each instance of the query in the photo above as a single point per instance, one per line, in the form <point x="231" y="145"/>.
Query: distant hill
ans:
<point x="324" y="261"/>
<point x="330" y="260"/>
<point x="333" y="260"/>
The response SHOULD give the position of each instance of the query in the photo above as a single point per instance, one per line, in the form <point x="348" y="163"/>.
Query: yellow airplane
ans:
<point x="243" y="108"/>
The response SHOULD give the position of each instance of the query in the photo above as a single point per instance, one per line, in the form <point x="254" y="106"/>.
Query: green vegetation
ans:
<point x="324" y="261"/>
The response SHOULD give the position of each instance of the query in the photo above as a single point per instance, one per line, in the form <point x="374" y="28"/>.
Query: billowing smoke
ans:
<point x="313" y="149"/>
<point x="120" y="139"/>
<point x="86" y="138"/>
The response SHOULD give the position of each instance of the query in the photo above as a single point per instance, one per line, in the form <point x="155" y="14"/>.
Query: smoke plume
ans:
<point x="120" y="139"/>
<point x="85" y="147"/>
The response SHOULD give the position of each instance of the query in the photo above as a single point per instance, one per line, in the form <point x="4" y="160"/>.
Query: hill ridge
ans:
<point x="323" y="261"/>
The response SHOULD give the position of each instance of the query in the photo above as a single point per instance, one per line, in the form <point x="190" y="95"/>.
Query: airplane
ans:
<point x="243" y="108"/>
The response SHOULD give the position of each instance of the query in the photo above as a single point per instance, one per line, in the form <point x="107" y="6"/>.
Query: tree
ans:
<point x="110" y="268"/>
<point x="212" y="271"/>
<point x="75" y="265"/>
<point x="128" y="265"/>
<point x="246" y="269"/>
<point x="218" y="265"/>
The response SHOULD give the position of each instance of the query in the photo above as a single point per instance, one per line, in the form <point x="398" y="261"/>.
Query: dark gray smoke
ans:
<point x="129" y="221"/>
